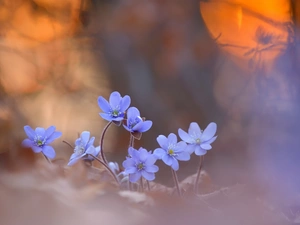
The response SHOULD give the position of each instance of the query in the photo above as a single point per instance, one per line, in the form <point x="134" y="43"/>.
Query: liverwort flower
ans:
<point x="135" y="123"/>
<point x="115" y="109"/>
<point x="39" y="139"/>
<point x="84" y="148"/>
<point x="199" y="141"/>
<point x="170" y="151"/>
<point x="140" y="164"/>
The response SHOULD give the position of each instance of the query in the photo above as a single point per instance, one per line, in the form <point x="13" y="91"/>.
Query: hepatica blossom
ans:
<point x="135" y="123"/>
<point x="140" y="164"/>
<point x="39" y="139"/>
<point x="114" y="110"/>
<point x="198" y="141"/>
<point x="170" y="151"/>
<point x="83" y="147"/>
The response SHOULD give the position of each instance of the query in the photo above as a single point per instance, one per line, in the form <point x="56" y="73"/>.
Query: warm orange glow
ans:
<point x="254" y="31"/>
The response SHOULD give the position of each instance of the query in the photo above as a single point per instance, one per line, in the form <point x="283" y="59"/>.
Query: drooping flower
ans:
<point x="170" y="151"/>
<point x="39" y="139"/>
<point x="135" y="123"/>
<point x="115" y="109"/>
<point x="84" y="148"/>
<point x="140" y="164"/>
<point x="198" y="141"/>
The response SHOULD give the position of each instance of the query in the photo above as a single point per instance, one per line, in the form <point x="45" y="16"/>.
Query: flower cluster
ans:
<point x="139" y="164"/>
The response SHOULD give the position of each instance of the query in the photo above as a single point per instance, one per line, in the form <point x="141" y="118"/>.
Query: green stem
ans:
<point x="107" y="167"/>
<point x="102" y="140"/>
<point x="196" y="185"/>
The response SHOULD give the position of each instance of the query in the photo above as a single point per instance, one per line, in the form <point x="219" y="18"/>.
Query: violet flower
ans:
<point x="39" y="139"/>
<point x="170" y="151"/>
<point x="199" y="141"/>
<point x="140" y="164"/>
<point x="135" y="123"/>
<point x="115" y="109"/>
<point x="84" y="148"/>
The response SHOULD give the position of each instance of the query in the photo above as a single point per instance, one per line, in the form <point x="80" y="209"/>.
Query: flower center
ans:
<point x="38" y="141"/>
<point x="134" y="122"/>
<point x="79" y="149"/>
<point x="140" y="166"/>
<point x="115" y="113"/>
<point x="171" y="152"/>
<point x="198" y="141"/>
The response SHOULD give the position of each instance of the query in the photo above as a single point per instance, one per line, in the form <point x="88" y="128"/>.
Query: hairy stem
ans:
<point x="141" y="184"/>
<point x="68" y="144"/>
<point x="107" y="167"/>
<point x="49" y="161"/>
<point x="196" y="185"/>
<point x="102" y="140"/>
<point x="131" y="143"/>
<point x="176" y="182"/>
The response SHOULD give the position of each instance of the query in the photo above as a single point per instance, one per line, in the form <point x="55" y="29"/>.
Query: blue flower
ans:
<point x="84" y="148"/>
<point x="140" y="164"/>
<point x="135" y="123"/>
<point x="198" y="141"/>
<point x="115" y="109"/>
<point x="171" y="151"/>
<point x="39" y="139"/>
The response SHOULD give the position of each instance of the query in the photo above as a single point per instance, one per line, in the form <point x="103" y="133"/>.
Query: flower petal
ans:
<point x="205" y="146"/>
<point x="162" y="141"/>
<point x="150" y="160"/>
<point x="53" y="136"/>
<point x="125" y="103"/>
<point x="134" y="177"/>
<point x="183" y="156"/>
<point x="143" y="154"/>
<point x="115" y="100"/>
<point x="91" y="150"/>
<point x="175" y="165"/>
<point x="168" y="159"/>
<point x="130" y="170"/>
<point x="49" y="131"/>
<point x="30" y="132"/>
<point x="210" y="140"/>
<point x="85" y="135"/>
<point x="143" y="126"/>
<point x="151" y="168"/>
<point x="195" y="130"/>
<point x="180" y="147"/>
<point x="74" y="160"/>
<point x="128" y="163"/>
<point x="132" y="113"/>
<point x="49" y="152"/>
<point x="27" y="143"/>
<point x="209" y="132"/>
<point x="190" y="148"/>
<point x="148" y="176"/>
<point x="36" y="149"/>
<point x="40" y="131"/>
<point x="91" y="142"/>
<point x="199" y="151"/>
<point x="172" y="138"/>
<point x="106" y="116"/>
<point x="97" y="151"/>
<point x="103" y="104"/>
<point x="185" y="136"/>
<point x="159" y="153"/>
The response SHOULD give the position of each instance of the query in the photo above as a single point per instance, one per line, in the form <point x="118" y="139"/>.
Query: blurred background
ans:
<point x="233" y="62"/>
